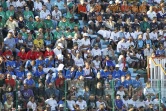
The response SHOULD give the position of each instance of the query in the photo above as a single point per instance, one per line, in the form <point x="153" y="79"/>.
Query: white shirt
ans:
<point x="57" y="52"/>
<point x="99" y="103"/>
<point x="144" y="36"/>
<point x="104" y="33"/>
<point x="52" y="102"/>
<point x="139" y="56"/>
<point x="128" y="44"/>
<point x="96" y="64"/>
<point x="131" y="102"/>
<point x="121" y="93"/>
<point x="82" y="104"/>
<point x="125" y="102"/>
<point x="31" y="105"/>
<point x="139" y="104"/>
<point x="37" y="5"/>
<point x="148" y="52"/>
<point x="57" y="14"/>
<point x="96" y="52"/>
<point x="20" y="3"/>
<point x="149" y="90"/>
<point x="151" y="14"/>
<point x="70" y="104"/>
<point x="43" y="14"/>
<point x="85" y="42"/>
<point x="121" y="46"/>
<point x="148" y="102"/>
<point x="114" y="36"/>
<point x="10" y="3"/>
<point x="153" y="36"/>
<point x="79" y="61"/>
<point x="60" y="4"/>
<point x="136" y="34"/>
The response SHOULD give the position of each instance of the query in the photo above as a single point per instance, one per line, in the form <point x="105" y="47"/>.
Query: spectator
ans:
<point x="31" y="104"/>
<point x="52" y="103"/>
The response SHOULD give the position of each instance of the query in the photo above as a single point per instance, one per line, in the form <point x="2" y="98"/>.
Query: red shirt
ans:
<point x="59" y="82"/>
<point x="22" y="55"/>
<point x="10" y="82"/>
<point x="7" y="53"/>
<point x="81" y="8"/>
<point x="37" y="54"/>
<point x="30" y="55"/>
<point x="48" y="53"/>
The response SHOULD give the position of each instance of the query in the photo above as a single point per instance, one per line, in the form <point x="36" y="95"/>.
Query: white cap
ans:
<point x="12" y="31"/>
<point x="111" y="2"/>
<point x="36" y="17"/>
<point x="117" y="65"/>
<point x="60" y="45"/>
<point x="61" y="105"/>
<point x="85" y="34"/>
<point x="117" y="1"/>
<point x="60" y="67"/>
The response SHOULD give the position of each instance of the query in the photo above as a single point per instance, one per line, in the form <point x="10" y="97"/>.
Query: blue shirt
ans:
<point x="117" y="74"/>
<point x="140" y="43"/>
<point x="79" y="73"/>
<point x="149" y="42"/>
<point x="48" y="63"/>
<point x="127" y="83"/>
<point x="10" y="72"/>
<point x="125" y="72"/>
<point x="137" y="83"/>
<point x="29" y="82"/>
<point x="160" y="52"/>
<point x="104" y="74"/>
<point x="69" y="74"/>
<point x="39" y="73"/>
<point x="40" y="62"/>
<point x="119" y="103"/>
<point x="28" y="63"/>
<point x="109" y="63"/>
<point x="11" y="64"/>
<point x="20" y="74"/>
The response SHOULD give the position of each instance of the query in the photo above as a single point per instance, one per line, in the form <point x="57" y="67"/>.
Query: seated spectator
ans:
<point x="10" y="81"/>
<point x="116" y="74"/>
<point x="100" y="102"/>
<point x="8" y="103"/>
<point x="79" y="72"/>
<point x="52" y="102"/>
<point x="31" y="104"/>
<point x="27" y="93"/>
<point x="81" y="103"/>
<point x="29" y="81"/>
<point x="148" y="90"/>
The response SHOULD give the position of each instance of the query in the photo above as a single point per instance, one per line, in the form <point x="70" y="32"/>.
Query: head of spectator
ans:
<point x="37" y="18"/>
<point x="60" y="46"/>
<point x="29" y="76"/>
<point x="117" y="67"/>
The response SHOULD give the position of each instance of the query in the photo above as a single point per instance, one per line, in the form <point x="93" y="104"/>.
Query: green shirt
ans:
<point x="39" y="25"/>
<point x="46" y="35"/>
<point x="25" y="35"/>
<point x="9" y="13"/>
<point x="57" y="35"/>
<point x="2" y="13"/>
<point x="2" y="23"/>
<point x="28" y="14"/>
<point x="48" y="24"/>
<point x="62" y="25"/>
<point x="3" y="4"/>
<point x="30" y="25"/>
<point x="69" y="15"/>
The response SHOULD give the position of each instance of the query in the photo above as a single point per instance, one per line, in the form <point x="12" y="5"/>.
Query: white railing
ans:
<point x="156" y="72"/>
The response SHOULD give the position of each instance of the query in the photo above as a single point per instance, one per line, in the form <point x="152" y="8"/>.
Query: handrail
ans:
<point x="157" y="65"/>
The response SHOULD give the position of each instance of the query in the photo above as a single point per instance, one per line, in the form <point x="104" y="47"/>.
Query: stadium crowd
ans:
<point x="75" y="54"/>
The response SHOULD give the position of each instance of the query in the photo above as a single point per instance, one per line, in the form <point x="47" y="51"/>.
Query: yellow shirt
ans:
<point x="38" y="43"/>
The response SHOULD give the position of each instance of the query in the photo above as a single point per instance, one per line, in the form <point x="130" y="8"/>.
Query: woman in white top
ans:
<point x="9" y="103"/>
<point x="31" y="104"/>
<point x="78" y="60"/>
<point x="97" y="63"/>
